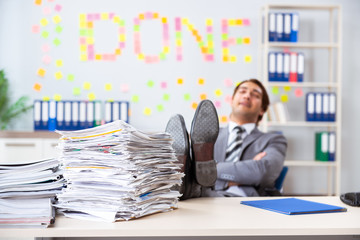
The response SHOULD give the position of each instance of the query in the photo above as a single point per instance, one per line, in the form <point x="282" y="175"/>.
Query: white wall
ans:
<point x="20" y="56"/>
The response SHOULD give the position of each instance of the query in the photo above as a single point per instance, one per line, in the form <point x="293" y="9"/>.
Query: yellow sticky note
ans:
<point x="201" y="81"/>
<point x="180" y="81"/>
<point x="91" y="96"/>
<point x="83" y="57"/>
<point x="37" y="87"/>
<point x="141" y="56"/>
<point x="218" y="92"/>
<point x="246" y="40"/>
<point x="104" y="16"/>
<point x="98" y="57"/>
<point x="233" y="58"/>
<point x="116" y="19"/>
<point x="87" y="85"/>
<point x="248" y="59"/>
<point x="209" y="22"/>
<point x="56" y="19"/>
<point x="287" y="88"/>
<point x="231" y="22"/>
<point x="203" y="96"/>
<point x="46" y="98"/>
<point x="284" y="98"/>
<point x="58" y="75"/>
<point x="41" y="72"/>
<point x="166" y="49"/>
<point x="44" y="22"/>
<point x="59" y="63"/>
<point x="223" y="119"/>
<point x="147" y="111"/>
<point x="108" y="86"/>
<point x="37" y="2"/>
<point x="185" y="21"/>
<point x="194" y="105"/>
<point x="57" y="97"/>
<point x="225" y="51"/>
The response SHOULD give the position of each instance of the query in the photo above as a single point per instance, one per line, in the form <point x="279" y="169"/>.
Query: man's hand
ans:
<point x="259" y="156"/>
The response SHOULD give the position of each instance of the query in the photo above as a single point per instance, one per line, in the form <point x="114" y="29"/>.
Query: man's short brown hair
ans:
<point x="265" y="101"/>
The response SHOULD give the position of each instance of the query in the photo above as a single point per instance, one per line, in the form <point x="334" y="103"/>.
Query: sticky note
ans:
<point x="124" y="88"/>
<point x="228" y="82"/>
<point x="57" y="97"/>
<point x="150" y="83"/>
<point x="194" y="105"/>
<point x="228" y="99"/>
<point x="76" y="91"/>
<point x="237" y="83"/>
<point x="45" y="47"/>
<point x="46" y="59"/>
<point x="108" y="87"/>
<point x="233" y="58"/>
<point x="284" y="98"/>
<point x="287" y="88"/>
<point x="135" y="98"/>
<point x="218" y="92"/>
<point x="147" y="111"/>
<point x="166" y="97"/>
<point x="180" y="81"/>
<point x="223" y="119"/>
<point x="58" y="29"/>
<point x="275" y="90"/>
<point x="163" y="85"/>
<point x="56" y="42"/>
<point x="299" y="92"/>
<point x="37" y="2"/>
<point x="201" y="81"/>
<point x="58" y="75"/>
<point x="70" y="77"/>
<point x="37" y="87"/>
<point x="41" y="72"/>
<point x="203" y="96"/>
<point x="46" y="10"/>
<point x="187" y="97"/>
<point x="86" y="85"/>
<point x="58" y="7"/>
<point x="44" y="22"/>
<point x="160" y="108"/>
<point x="56" y="19"/>
<point x="246" y="40"/>
<point x="59" y="63"/>
<point x="217" y="104"/>
<point x="91" y="96"/>
<point x="45" y="98"/>
<point x="45" y="34"/>
<point x="248" y="59"/>
<point x="35" y="28"/>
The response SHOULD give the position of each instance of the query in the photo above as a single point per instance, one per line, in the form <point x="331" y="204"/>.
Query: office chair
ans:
<point x="277" y="189"/>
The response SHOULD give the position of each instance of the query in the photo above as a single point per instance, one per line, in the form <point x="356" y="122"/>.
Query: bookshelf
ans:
<point x="331" y="44"/>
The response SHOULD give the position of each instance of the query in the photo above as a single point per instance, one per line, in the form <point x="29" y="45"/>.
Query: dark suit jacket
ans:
<point x="252" y="175"/>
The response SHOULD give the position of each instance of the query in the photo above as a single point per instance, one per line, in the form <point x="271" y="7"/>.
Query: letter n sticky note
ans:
<point x="41" y="72"/>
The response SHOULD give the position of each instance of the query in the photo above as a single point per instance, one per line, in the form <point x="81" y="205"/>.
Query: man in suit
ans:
<point x="243" y="161"/>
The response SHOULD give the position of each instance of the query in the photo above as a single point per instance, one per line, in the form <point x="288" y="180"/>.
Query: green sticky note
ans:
<point x="150" y="83"/>
<point x="70" y="77"/>
<point x="239" y="41"/>
<point x="76" y="91"/>
<point x="162" y="56"/>
<point x="201" y="44"/>
<point x="90" y="32"/>
<point x="45" y="34"/>
<point x="187" y="97"/>
<point x="136" y="28"/>
<point x="135" y="98"/>
<point x="275" y="90"/>
<point x="122" y="23"/>
<point x="58" y="29"/>
<point x="166" y="97"/>
<point x="57" y="42"/>
<point x="178" y="35"/>
<point x="82" y="32"/>
<point x="224" y="36"/>
<point x="210" y="37"/>
<point x="211" y="50"/>
<point x="160" y="108"/>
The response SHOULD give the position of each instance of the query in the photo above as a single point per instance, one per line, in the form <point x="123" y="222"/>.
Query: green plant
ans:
<point x="10" y="111"/>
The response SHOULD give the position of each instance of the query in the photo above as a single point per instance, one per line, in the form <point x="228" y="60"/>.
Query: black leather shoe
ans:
<point x="203" y="134"/>
<point x="177" y="129"/>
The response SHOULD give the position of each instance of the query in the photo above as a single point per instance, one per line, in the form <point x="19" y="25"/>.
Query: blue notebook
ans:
<point x="293" y="206"/>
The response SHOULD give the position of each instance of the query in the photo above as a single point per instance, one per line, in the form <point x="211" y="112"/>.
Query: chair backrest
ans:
<point x="280" y="180"/>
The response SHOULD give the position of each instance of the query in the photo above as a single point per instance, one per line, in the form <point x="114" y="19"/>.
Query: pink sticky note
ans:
<point x="122" y="44"/>
<point x="155" y="59"/>
<point x="209" y="57"/>
<point x="178" y="28"/>
<point x="124" y="87"/>
<point x="177" y="21"/>
<point x="137" y="36"/>
<point x="225" y="44"/>
<point x="224" y="22"/>
<point x="46" y="59"/>
<point x="35" y="29"/>
<point x="224" y="29"/>
<point x="105" y="57"/>
<point x="178" y="50"/>
<point x="299" y="92"/>
<point x="45" y="47"/>
<point x="148" y="59"/>
<point x="217" y="104"/>
<point x="90" y="55"/>
<point x="112" y="57"/>
<point x="228" y="82"/>
<point x="246" y="22"/>
<point x="90" y="47"/>
<point x="228" y="99"/>
<point x="111" y="15"/>
<point x="209" y="29"/>
<point x="96" y="16"/>
<point x="121" y="30"/>
<point x="232" y="41"/>
<point x="58" y="7"/>
<point x="46" y="10"/>
<point x="148" y="15"/>
<point x="163" y="85"/>
<point x="179" y="57"/>
<point x="166" y="42"/>
<point x="90" y="17"/>
<point x="166" y="26"/>
<point x="82" y="40"/>
<point x="136" y="21"/>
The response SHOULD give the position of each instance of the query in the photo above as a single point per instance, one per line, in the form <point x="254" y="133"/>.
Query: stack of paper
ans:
<point x="26" y="190"/>
<point x="115" y="172"/>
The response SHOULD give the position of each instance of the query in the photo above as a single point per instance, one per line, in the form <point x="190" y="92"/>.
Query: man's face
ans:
<point x="246" y="102"/>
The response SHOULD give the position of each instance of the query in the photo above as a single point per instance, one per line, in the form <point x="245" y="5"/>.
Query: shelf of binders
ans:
<point x="309" y="163"/>
<point x="304" y="84"/>
<point x="302" y="124"/>
<point x="302" y="44"/>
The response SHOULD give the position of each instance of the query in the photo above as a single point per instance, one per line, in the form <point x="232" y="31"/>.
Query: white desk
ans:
<point x="209" y="217"/>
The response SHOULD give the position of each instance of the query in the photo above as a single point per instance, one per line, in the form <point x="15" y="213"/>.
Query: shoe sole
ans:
<point x="177" y="129"/>
<point x="204" y="132"/>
